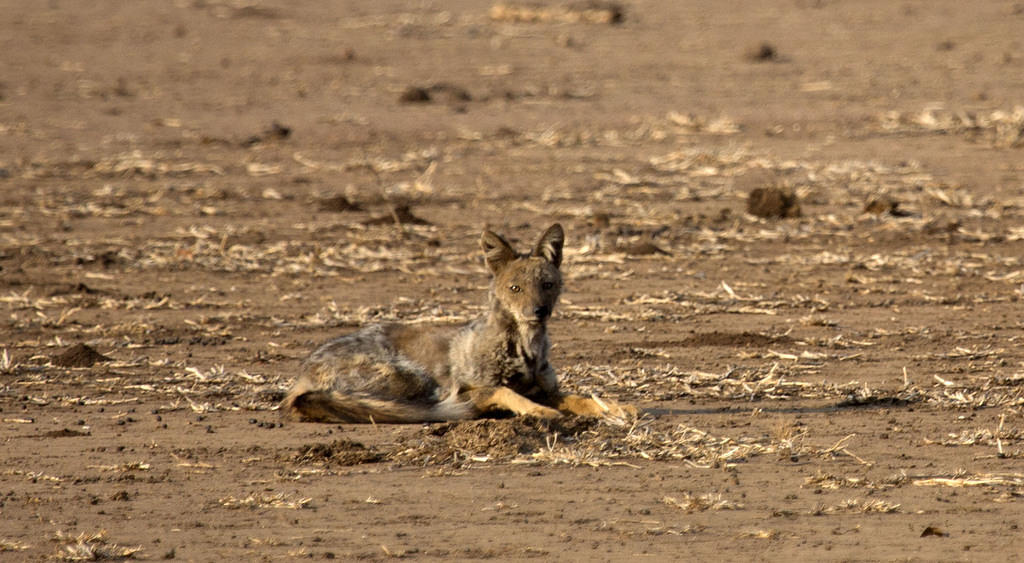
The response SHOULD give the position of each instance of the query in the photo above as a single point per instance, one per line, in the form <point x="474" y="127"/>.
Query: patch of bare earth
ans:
<point x="794" y="241"/>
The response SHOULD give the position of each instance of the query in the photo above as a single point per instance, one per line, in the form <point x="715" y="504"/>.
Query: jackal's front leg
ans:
<point x="576" y="404"/>
<point x="594" y="406"/>
<point x="502" y="398"/>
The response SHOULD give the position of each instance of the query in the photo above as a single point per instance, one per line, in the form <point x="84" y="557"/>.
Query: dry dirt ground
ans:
<point x="193" y="194"/>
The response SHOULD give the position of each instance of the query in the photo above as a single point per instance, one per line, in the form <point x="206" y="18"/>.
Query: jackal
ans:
<point x="498" y="362"/>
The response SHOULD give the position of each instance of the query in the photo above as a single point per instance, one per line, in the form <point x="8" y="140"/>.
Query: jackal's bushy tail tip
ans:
<point x="317" y="405"/>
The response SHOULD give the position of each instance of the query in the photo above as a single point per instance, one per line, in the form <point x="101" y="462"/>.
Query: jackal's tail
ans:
<point x="318" y="405"/>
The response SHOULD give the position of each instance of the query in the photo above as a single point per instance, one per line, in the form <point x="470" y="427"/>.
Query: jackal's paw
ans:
<point x="613" y="409"/>
<point x="620" y="411"/>
<point x="596" y="406"/>
<point x="544" y="412"/>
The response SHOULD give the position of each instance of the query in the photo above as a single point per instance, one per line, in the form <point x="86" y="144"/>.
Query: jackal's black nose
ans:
<point x="542" y="312"/>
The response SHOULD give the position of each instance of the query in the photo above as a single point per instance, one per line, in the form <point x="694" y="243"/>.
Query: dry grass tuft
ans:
<point x="788" y="438"/>
<point x="573" y="455"/>
<point x="829" y="481"/>
<point x="693" y="446"/>
<point x="91" y="547"/>
<point x="7" y="364"/>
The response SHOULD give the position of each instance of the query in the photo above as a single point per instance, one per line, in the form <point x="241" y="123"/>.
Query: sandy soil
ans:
<point x="193" y="194"/>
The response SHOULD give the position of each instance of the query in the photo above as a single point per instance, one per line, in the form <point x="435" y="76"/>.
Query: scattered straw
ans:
<point x="124" y="467"/>
<point x="12" y="545"/>
<point x="761" y="534"/>
<point x="694" y="503"/>
<point x="999" y="128"/>
<point x="579" y="12"/>
<point x="858" y="506"/>
<point x="980" y="480"/>
<point x="262" y="500"/>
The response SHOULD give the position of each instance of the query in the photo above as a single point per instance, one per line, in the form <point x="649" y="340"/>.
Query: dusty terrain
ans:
<point x="193" y="194"/>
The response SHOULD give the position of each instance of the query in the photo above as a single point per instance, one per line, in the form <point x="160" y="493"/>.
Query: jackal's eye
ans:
<point x="515" y="288"/>
<point x="547" y="285"/>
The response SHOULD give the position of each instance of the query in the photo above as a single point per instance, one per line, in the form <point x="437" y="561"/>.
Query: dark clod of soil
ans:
<point x="773" y="203"/>
<point x="855" y="400"/>
<point x="877" y="205"/>
<point x="414" y="95"/>
<point x="276" y="131"/>
<point x="121" y="496"/>
<point x="700" y="220"/>
<point x="584" y="11"/>
<point x="440" y="92"/>
<point x="79" y="356"/>
<point x="880" y="204"/>
<point x="765" y="52"/>
<point x="73" y="289"/>
<point x="600" y="220"/>
<point x="338" y="204"/>
<point x="401" y="214"/>
<point x="599" y="12"/>
<point x="644" y="248"/>
<point x="935" y="532"/>
<point x="255" y="12"/>
<point x="338" y="452"/>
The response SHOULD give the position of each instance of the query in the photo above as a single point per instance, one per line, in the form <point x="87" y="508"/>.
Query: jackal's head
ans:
<point x="526" y="286"/>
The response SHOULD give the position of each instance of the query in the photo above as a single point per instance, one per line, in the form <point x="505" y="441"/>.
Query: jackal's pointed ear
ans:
<point x="549" y="246"/>
<point x="497" y="251"/>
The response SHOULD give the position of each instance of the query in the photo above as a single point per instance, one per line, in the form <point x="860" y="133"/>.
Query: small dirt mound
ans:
<point x="79" y="356"/>
<point x="503" y="438"/>
<point x="338" y="452"/>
